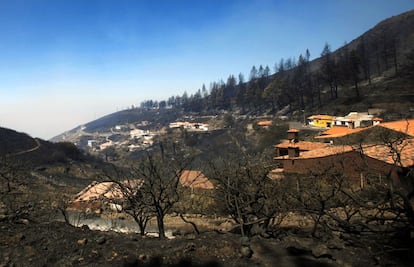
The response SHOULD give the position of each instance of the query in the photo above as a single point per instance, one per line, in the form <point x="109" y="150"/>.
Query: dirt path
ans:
<point x="29" y="150"/>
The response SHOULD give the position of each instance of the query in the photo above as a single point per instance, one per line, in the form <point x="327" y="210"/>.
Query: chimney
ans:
<point x="293" y="135"/>
<point x="293" y="152"/>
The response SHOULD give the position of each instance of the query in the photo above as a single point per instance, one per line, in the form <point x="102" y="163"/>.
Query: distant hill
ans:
<point x="154" y="118"/>
<point x="33" y="151"/>
<point x="367" y="73"/>
<point x="130" y="116"/>
<point x="12" y="142"/>
<point x="59" y="164"/>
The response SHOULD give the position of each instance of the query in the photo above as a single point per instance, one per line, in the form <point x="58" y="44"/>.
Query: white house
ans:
<point x="178" y="124"/>
<point x="189" y="125"/>
<point x="354" y="120"/>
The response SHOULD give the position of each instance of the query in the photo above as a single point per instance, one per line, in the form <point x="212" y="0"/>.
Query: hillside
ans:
<point x="383" y="53"/>
<point x="395" y="33"/>
<point x="12" y="142"/>
<point x="157" y="118"/>
<point x="97" y="195"/>
<point x="371" y="71"/>
<point x="58" y="164"/>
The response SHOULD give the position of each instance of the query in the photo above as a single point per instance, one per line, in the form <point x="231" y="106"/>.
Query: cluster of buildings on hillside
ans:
<point x="191" y="126"/>
<point x="347" y="145"/>
<point x="356" y="159"/>
<point x="122" y="135"/>
<point x="352" y="120"/>
<point x="135" y="138"/>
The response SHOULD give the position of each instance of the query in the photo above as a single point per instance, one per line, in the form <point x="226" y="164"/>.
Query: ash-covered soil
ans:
<point x="30" y="235"/>
<point x="28" y="242"/>
<point x="58" y="244"/>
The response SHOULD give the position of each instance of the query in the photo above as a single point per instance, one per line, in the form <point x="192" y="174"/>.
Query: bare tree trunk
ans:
<point x="317" y="221"/>
<point x="240" y="217"/>
<point x="192" y="224"/>
<point x="142" y="224"/>
<point x="160" y="224"/>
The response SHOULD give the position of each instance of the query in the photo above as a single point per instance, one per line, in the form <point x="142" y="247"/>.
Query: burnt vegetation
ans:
<point x="333" y="78"/>
<point x="319" y="218"/>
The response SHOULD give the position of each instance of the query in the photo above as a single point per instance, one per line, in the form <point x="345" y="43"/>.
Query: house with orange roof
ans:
<point x="293" y="146"/>
<point x="195" y="179"/>
<point x="338" y="131"/>
<point x="404" y="127"/>
<point x="400" y="154"/>
<point x="264" y="123"/>
<point x="102" y="195"/>
<point x="355" y="162"/>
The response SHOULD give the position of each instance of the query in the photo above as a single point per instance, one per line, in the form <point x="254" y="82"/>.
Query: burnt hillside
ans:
<point x="374" y="63"/>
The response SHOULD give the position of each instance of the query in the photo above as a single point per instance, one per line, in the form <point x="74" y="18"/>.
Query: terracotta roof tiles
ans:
<point x="379" y="152"/>
<point x="195" y="179"/>
<point x="293" y="131"/>
<point x="109" y="190"/>
<point x="327" y="151"/>
<point x="321" y="152"/>
<point x="321" y="117"/>
<point x="264" y="123"/>
<point x="302" y="145"/>
<point x="338" y="132"/>
<point x="403" y="126"/>
<point x="386" y="154"/>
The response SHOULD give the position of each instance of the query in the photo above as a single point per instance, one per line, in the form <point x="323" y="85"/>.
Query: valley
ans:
<point x="309" y="166"/>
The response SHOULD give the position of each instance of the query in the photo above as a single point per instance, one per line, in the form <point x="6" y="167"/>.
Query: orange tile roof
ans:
<point x="264" y="123"/>
<point x="321" y="117"/>
<point x="384" y="153"/>
<point x="109" y="190"/>
<point x="321" y="152"/>
<point x="302" y="145"/>
<point x="97" y="190"/>
<point x="403" y="126"/>
<point x="293" y="131"/>
<point x="195" y="179"/>
<point x="338" y="131"/>
<point x="327" y="151"/>
<point x="379" y="152"/>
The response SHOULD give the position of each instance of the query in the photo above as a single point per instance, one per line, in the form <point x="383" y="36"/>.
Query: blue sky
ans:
<point x="64" y="63"/>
